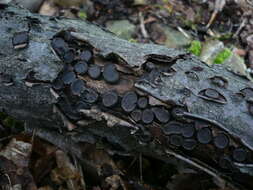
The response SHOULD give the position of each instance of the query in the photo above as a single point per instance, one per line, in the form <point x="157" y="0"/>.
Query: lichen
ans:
<point x="195" y="47"/>
<point x="222" y="56"/>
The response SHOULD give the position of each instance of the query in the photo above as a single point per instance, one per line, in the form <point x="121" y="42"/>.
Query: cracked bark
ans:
<point x="182" y="86"/>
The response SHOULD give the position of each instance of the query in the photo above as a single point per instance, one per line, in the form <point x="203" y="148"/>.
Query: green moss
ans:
<point x="82" y="15"/>
<point x="132" y="40"/>
<point x="195" y="47"/>
<point x="222" y="56"/>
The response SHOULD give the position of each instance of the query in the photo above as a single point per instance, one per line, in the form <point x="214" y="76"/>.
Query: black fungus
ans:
<point x="77" y="87"/>
<point x="110" y="74"/>
<point x="69" y="56"/>
<point x="189" y="144"/>
<point x="67" y="36"/>
<point x="147" y="116"/>
<point x="225" y="162"/>
<point x="59" y="46"/>
<point x="142" y="102"/>
<point x="20" y="40"/>
<point x="81" y="67"/>
<point x="67" y="67"/>
<point x="172" y="127"/>
<point x="129" y="101"/>
<point x="143" y="134"/>
<point x="221" y="141"/>
<point x="178" y="113"/>
<point x="219" y="81"/>
<point x="58" y="84"/>
<point x="239" y="154"/>
<point x="90" y="96"/>
<point x="247" y="92"/>
<point x="94" y="71"/>
<point x="204" y="135"/>
<point x="211" y="93"/>
<point x="81" y="105"/>
<point x="161" y="114"/>
<point x="110" y="99"/>
<point x="68" y="77"/>
<point x="136" y="115"/>
<point x="188" y="130"/>
<point x="176" y="140"/>
<point x="86" y="55"/>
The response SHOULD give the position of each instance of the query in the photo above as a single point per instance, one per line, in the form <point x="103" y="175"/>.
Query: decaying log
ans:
<point x="212" y="99"/>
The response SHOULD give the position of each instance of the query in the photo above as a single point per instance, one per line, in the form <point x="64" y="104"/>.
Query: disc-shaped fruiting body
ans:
<point x="204" y="135"/>
<point x="136" y="115"/>
<point x="211" y="93"/>
<point x="161" y="114"/>
<point x="142" y="102"/>
<point x="86" y="55"/>
<point x="68" y="77"/>
<point x="239" y="154"/>
<point x="69" y="56"/>
<point x="81" y="67"/>
<point x="189" y="144"/>
<point x="20" y="40"/>
<point x="129" y="101"/>
<point x="178" y="113"/>
<point x="176" y="140"/>
<point x="94" y="71"/>
<point x="90" y="96"/>
<point x="110" y="99"/>
<point x="221" y="141"/>
<point x="58" y="84"/>
<point x="59" y="46"/>
<point x="110" y="74"/>
<point x="77" y="87"/>
<point x="172" y="127"/>
<point x="188" y="130"/>
<point x="147" y="116"/>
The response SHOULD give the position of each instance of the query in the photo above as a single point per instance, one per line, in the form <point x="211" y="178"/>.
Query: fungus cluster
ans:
<point x="179" y="134"/>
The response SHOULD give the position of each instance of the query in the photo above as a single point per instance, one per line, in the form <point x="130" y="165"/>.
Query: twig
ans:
<point x="240" y="28"/>
<point x="142" y="26"/>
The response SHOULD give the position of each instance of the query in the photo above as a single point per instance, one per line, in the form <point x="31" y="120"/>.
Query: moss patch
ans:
<point x="195" y="47"/>
<point x="222" y="56"/>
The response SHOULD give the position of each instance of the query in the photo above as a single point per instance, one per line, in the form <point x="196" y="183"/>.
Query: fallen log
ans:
<point x="74" y="82"/>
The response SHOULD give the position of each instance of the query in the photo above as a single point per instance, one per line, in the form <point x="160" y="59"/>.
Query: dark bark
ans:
<point x="179" y="80"/>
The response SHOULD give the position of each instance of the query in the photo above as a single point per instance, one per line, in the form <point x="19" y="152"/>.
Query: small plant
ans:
<point x="222" y="56"/>
<point x="195" y="47"/>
